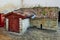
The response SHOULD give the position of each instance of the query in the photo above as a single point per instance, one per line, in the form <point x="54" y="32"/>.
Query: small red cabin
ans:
<point x="12" y="21"/>
<point x="2" y="20"/>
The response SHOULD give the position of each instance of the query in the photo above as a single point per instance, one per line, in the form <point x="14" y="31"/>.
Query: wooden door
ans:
<point x="14" y="25"/>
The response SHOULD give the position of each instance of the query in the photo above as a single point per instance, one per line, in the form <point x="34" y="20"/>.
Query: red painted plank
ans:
<point x="1" y="20"/>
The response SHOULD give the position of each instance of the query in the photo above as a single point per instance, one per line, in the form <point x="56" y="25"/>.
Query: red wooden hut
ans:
<point x="12" y="21"/>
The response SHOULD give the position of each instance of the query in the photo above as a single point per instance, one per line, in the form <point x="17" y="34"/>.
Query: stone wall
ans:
<point x="47" y="23"/>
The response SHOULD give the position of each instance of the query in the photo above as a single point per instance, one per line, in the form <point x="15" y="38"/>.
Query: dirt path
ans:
<point x="4" y="36"/>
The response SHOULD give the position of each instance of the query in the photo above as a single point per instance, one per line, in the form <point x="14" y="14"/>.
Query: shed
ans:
<point x="13" y="22"/>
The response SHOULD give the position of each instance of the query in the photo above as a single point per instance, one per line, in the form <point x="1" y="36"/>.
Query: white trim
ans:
<point x="7" y="24"/>
<point x="20" y="24"/>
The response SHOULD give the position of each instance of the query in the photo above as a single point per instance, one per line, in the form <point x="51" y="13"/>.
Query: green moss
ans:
<point x="44" y="12"/>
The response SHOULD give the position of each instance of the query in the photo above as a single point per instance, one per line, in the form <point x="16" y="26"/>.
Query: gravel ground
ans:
<point x="32" y="34"/>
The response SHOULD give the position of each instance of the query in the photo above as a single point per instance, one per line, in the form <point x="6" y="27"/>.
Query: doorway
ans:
<point x="59" y="16"/>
